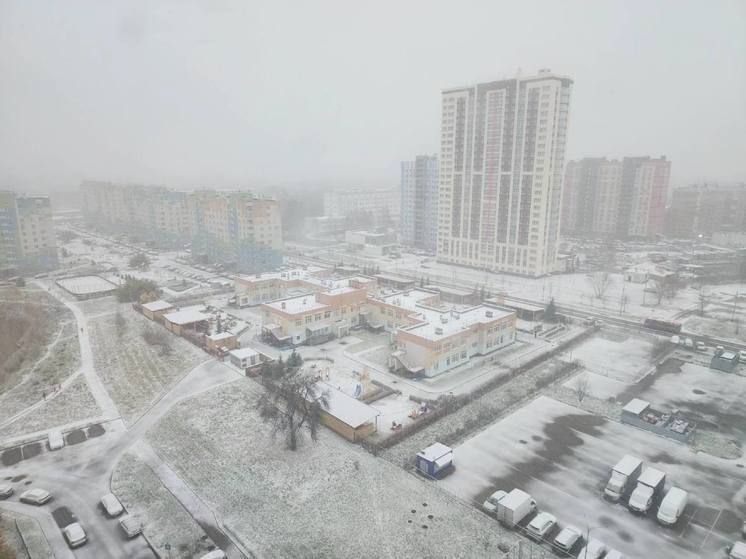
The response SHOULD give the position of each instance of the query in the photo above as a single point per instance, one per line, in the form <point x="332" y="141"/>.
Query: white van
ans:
<point x="672" y="506"/>
<point x="55" y="440"/>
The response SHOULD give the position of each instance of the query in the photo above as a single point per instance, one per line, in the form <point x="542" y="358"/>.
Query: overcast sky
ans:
<point x="224" y="93"/>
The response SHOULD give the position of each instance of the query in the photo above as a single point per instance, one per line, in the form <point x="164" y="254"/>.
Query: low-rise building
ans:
<point x="371" y="243"/>
<point x="247" y="359"/>
<point x="221" y="341"/>
<point x="155" y="309"/>
<point x="191" y="318"/>
<point x="345" y="415"/>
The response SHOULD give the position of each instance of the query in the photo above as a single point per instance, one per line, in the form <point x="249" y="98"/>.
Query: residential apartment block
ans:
<point x="380" y="204"/>
<point x="502" y="159"/>
<point x="27" y="238"/>
<point x="419" y="202"/>
<point x="706" y="209"/>
<point x="237" y="228"/>
<point x="615" y="198"/>
<point x="430" y="337"/>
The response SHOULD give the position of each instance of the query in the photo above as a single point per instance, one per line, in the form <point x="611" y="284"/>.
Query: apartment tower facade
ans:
<point x="27" y="239"/>
<point x="616" y="198"/>
<point x="419" y="202"/>
<point x="501" y="171"/>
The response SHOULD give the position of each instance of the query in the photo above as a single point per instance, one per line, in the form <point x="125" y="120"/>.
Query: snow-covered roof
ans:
<point x="186" y="316"/>
<point x="159" y="305"/>
<point x="452" y="322"/>
<point x="346" y="408"/>
<point x="434" y="451"/>
<point x="627" y="464"/>
<point x="243" y="353"/>
<point x="296" y="305"/>
<point x="636" y="406"/>
<point x="220" y="336"/>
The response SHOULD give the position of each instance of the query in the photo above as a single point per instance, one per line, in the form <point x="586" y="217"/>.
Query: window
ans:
<point x="309" y="318"/>
<point x="298" y="322"/>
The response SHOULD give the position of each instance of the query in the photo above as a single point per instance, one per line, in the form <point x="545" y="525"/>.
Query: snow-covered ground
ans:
<point x="87" y="285"/>
<point x="615" y="354"/>
<point x="328" y="499"/>
<point x="135" y="373"/>
<point x="562" y="456"/>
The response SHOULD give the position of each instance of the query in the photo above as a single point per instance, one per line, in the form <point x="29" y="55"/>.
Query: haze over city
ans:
<point x="340" y="280"/>
<point x="225" y="94"/>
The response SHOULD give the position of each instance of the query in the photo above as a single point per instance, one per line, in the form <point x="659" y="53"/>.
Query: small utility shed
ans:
<point x="725" y="361"/>
<point x="156" y="309"/>
<point x="246" y="358"/>
<point x="222" y="340"/>
<point x="352" y="419"/>
<point x="191" y="319"/>
<point x="436" y="460"/>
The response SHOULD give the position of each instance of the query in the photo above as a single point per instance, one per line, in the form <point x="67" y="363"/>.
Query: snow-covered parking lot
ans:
<point x="563" y="456"/>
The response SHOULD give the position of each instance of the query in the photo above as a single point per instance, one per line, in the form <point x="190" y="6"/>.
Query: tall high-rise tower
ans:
<point x="419" y="202"/>
<point x="502" y="156"/>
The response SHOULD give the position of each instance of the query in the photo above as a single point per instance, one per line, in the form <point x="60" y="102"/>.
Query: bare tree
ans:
<point x="120" y="323"/>
<point x="581" y="387"/>
<point x="600" y="282"/>
<point x="292" y="403"/>
<point x="704" y="299"/>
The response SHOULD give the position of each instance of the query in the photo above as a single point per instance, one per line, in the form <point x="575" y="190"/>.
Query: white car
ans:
<point x="111" y="505"/>
<point x="131" y="525"/>
<point x="567" y="538"/>
<point x="540" y="525"/>
<point x="742" y="356"/>
<point x="613" y="554"/>
<point x="35" y="496"/>
<point x="490" y="505"/>
<point x="594" y="549"/>
<point x="74" y="534"/>
<point x="6" y="490"/>
<point x="737" y="551"/>
<point x="216" y="554"/>
<point x="55" y="440"/>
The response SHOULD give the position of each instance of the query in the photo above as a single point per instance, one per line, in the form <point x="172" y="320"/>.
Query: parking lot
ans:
<point x="563" y="456"/>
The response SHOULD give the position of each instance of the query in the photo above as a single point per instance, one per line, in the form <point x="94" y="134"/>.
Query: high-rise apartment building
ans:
<point x="419" y="202"/>
<point x="236" y="228"/>
<point x="27" y="239"/>
<point x="380" y="204"/>
<point x="706" y="209"/>
<point x="614" y="198"/>
<point x="502" y="159"/>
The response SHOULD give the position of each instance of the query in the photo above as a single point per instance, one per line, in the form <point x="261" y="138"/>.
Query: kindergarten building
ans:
<point x="427" y="336"/>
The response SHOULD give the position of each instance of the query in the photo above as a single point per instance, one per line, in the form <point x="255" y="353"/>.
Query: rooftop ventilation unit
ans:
<point x="439" y="331"/>
<point x="488" y="314"/>
<point x="283" y="305"/>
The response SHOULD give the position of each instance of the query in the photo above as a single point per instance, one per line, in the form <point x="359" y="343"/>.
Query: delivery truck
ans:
<point x="650" y="486"/>
<point x="623" y="478"/>
<point x="514" y="507"/>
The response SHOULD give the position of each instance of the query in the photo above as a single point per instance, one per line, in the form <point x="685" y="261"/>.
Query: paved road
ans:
<point x="79" y="474"/>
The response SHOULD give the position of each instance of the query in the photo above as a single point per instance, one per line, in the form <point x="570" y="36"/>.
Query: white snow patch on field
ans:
<point x="328" y="499"/>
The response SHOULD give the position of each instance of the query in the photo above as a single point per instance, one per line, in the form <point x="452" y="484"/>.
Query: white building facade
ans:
<point x="501" y="171"/>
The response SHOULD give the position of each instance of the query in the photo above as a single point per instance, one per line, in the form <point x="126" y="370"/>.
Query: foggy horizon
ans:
<point x="233" y="95"/>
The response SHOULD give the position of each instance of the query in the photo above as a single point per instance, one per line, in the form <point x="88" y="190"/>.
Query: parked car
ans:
<point x="111" y="505"/>
<point x="216" y="554"/>
<point x="74" y="534"/>
<point x="567" y="538"/>
<point x="6" y="490"/>
<point x="742" y="356"/>
<point x="55" y="440"/>
<point x="701" y="346"/>
<point x="594" y="549"/>
<point x="35" y="496"/>
<point x="737" y="551"/>
<point x="131" y="525"/>
<point x="540" y="525"/>
<point x="613" y="554"/>
<point x="689" y="343"/>
<point x="672" y="506"/>
<point x="490" y="505"/>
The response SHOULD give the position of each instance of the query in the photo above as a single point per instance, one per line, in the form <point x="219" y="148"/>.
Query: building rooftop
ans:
<point x="346" y="408"/>
<point x="435" y="451"/>
<point x="297" y="305"/>
<point x="243" y="352"/>
<point x="155" y="306"/>
<point x="186" y="316"/>
<point x="636" y="406"/>
<point x="220" y="336"/>
<point x="442" y="324"/>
